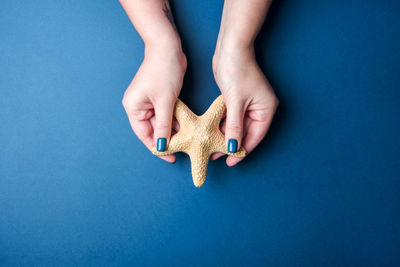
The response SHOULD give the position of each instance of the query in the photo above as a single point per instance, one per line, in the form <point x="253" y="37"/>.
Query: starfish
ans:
<point x="199" y="137"/>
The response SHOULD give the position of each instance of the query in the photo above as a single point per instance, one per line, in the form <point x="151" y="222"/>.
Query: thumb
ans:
<point x="234" y="125"/>
<point x="162" y="131"/>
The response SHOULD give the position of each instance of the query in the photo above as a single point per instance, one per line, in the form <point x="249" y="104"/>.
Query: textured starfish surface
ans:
<point x="199" y="137"/>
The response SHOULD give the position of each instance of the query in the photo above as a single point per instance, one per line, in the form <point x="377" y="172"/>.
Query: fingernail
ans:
<point x="161" y="144"/>
<point x="232" y="146"/>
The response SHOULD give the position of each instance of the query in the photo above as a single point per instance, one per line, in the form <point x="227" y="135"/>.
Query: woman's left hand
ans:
<point x="249" y="98"/>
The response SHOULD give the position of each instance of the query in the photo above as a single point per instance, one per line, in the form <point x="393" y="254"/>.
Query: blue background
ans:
<point x="78" y="188"/>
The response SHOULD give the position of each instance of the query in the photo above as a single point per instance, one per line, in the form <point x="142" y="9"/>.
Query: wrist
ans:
<point x="232" y="53"/>
<point x="163" y="46"/>
<point x="233" y="47"/>
<point x="234" y="41"/>
<point x="164" y="42"/>
<point x="166" y="52"/>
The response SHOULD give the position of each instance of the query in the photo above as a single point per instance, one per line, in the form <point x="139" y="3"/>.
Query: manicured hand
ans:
<point x="249" y="98"/>
<point x="150" y="98"/>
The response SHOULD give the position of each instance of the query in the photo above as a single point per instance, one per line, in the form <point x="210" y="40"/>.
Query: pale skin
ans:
<point x="149" y="99"/>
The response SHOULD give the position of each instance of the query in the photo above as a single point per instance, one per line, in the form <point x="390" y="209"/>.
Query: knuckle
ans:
<point x="234" y="127"/>
<point x="163" y="126"/>
<point x="166" y="101"/>
<point x="139" y="114"/>
<point x="125" y="102"/>
<point x="237" y="105"/>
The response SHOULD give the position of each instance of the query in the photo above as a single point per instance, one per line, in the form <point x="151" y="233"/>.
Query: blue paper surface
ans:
<point x="77" y="188"/>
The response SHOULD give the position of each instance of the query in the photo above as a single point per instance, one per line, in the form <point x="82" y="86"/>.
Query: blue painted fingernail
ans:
<point x="232" y="146"/>
<point x="161" y="144"/>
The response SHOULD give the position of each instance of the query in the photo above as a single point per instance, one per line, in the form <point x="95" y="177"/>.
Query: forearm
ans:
<point x="241" y="21"/>
<point x="153" y="21"/>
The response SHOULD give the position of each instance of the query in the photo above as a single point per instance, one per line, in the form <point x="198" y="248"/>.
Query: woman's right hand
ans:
<point x="150" y="98"/>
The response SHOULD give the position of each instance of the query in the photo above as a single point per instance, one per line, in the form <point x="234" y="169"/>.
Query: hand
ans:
<point x="150" y="98"/>
<point x="250" y="100"/>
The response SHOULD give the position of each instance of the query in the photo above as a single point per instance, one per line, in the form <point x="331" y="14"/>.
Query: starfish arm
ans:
<point x="241" y="153"/>
<point x="158" y="153"/>
<point x="183" y="114"/>
<point x="176" y="144"/>
<point x="215" y="112"/>
<point x="199" y="160"/>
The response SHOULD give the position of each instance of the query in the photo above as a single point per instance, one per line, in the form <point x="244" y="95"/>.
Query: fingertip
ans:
<point x="169" y="158"/>
<point x="173" y="158"/>
<point x="216" y="155"/>
<point x="232" y="161"/>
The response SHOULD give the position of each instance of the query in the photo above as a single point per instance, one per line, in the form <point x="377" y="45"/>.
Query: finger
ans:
<point x="216" y="155"/>
<point x="163" y="124"/>
<point x="144" y="131"/>
<point x="140" y="121"/>
<point x="175" y="125"/>
<point x="246" y="123"/>
<point x="255" y="133"/>
<point x="169" y="158"/>
<point x="234" y="125"/>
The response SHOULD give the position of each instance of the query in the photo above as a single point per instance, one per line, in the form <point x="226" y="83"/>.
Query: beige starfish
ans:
<point x="199" y="137"/>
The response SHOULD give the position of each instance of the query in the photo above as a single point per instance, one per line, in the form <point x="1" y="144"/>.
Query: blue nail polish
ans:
<point x="161" y="144"/>
<point x="232" y="146"/>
